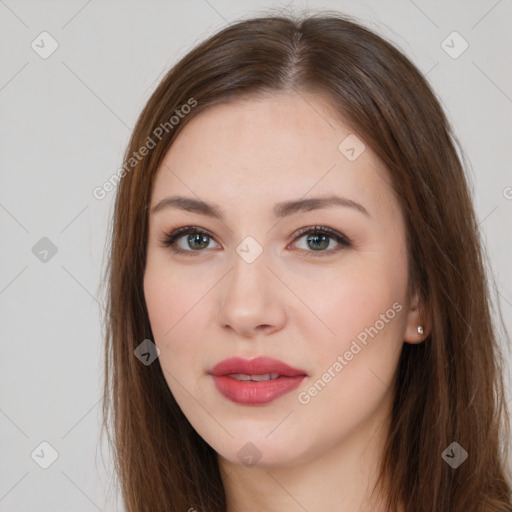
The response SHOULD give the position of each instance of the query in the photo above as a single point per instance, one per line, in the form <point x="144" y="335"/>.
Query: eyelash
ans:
<point x="169" y="239"/>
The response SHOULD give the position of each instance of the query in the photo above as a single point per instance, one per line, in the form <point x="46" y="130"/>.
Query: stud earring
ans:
<point x="420" y="329"/>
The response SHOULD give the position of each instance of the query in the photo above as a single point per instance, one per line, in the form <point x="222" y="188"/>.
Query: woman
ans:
<point x="299" y="316"/>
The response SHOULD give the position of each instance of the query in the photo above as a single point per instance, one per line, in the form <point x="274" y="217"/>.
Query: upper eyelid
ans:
<point x="298" y="232"/>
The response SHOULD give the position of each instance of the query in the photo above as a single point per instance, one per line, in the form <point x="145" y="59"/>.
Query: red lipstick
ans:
<point x="255" y="381"/>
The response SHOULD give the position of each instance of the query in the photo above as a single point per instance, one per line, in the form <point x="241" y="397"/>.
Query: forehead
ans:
<point x="270" y="149"/>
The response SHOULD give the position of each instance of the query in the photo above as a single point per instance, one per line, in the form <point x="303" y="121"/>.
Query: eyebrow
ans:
<point x="280" y="210"/>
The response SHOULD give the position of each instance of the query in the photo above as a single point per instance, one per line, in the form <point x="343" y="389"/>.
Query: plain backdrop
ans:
<point x="65" y="121"/>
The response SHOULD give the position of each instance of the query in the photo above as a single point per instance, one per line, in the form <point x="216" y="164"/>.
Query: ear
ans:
<point x="415" y="318"/>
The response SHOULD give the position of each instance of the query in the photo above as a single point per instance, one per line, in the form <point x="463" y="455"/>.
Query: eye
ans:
<point x="318" y="238"/>
<point x="196" y="239"/>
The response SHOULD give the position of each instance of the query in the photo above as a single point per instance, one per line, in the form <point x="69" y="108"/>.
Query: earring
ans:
<point x="420" y="329"/>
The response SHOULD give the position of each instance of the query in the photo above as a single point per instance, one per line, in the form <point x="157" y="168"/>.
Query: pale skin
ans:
<point x="245" y="157"/>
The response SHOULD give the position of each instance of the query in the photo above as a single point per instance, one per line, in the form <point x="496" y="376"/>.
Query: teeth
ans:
<point x="267" y="376"/>
<point x="240" y="376"/>
<point x="257" y="378"/>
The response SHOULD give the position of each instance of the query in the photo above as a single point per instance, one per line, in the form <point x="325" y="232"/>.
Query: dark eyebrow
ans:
<point x="280" y="209"/>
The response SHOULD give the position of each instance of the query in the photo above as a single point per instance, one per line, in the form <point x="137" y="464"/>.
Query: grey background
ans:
<point x="65" y="122"/>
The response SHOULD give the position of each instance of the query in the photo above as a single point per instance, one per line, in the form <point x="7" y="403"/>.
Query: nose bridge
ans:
<point x="250" y="297"/>
<point x="249" y="276"/>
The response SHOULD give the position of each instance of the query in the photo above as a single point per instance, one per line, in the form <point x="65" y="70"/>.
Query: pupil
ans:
<point x="324" y="240"/>
<point x="197" y="237"/>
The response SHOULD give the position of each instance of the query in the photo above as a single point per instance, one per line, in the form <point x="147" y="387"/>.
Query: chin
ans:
<point x="262" y="453"/>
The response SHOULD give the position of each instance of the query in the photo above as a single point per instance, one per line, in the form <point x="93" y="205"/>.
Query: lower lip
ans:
<point x="254" y="393"/>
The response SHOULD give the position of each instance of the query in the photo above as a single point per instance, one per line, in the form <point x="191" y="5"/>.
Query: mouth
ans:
<point x="255" y="381"/>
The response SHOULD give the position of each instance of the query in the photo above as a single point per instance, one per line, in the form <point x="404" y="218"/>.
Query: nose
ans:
<point x="252" y="300"/>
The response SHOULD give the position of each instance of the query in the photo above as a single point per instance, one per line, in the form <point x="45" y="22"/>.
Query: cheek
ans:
<point x="176" y="306"/>
<point x="167" y="315"/>
<point x="160" y="300"/>
<point x="354" y="368"/>
<point x="168" y="300"/>
<point x="366" y="305"/>
<point x="361" y="308"/>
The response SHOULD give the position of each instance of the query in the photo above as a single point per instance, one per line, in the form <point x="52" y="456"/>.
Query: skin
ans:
<point x="245" y="156"/>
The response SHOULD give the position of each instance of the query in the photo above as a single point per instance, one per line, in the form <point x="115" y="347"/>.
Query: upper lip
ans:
<point x="256" y="366"/>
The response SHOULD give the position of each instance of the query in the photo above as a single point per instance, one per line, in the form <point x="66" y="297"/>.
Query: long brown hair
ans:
<point x="450" y="388"/>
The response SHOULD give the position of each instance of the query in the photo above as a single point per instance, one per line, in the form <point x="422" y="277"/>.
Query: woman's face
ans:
<point x="252" y="282"/>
